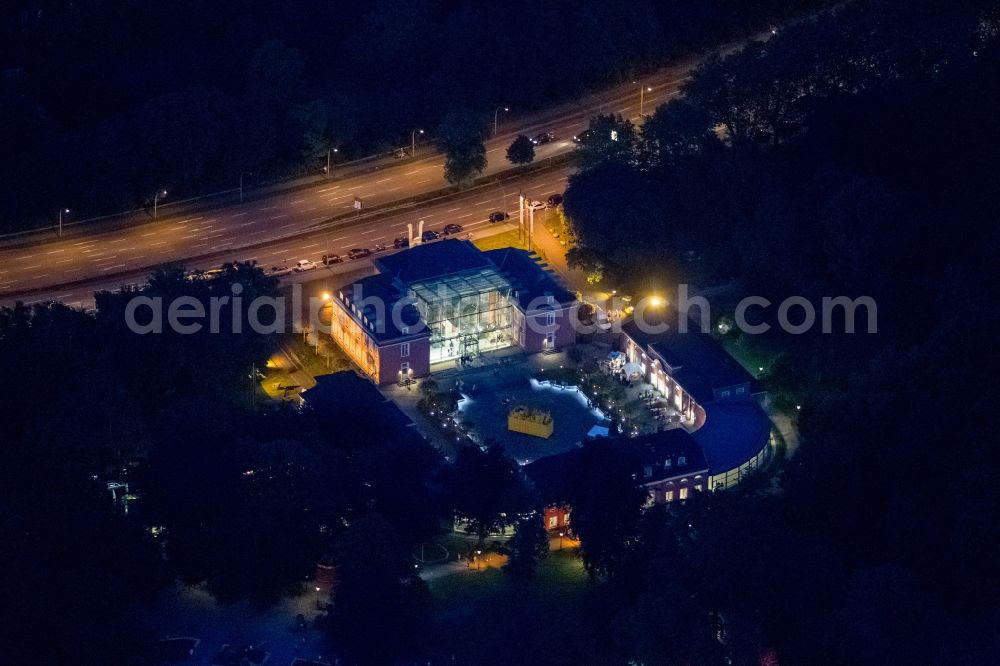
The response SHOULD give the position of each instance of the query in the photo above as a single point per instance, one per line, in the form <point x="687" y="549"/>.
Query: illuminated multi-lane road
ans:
<point x="296" y="224"/>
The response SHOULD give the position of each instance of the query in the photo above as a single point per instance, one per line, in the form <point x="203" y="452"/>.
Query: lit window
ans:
<point x="404" y="349"/>
<point x="553" y="521"/>
<point x="668" y="496"/>
<point x="684" y="493"/>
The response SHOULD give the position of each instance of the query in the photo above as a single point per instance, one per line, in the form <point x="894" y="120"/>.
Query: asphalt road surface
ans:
<point x="469" y="209"/>
<point x="286" y="227"/>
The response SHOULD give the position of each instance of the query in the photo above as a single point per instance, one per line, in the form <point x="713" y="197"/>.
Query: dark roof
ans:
<point x="550" y="475"/>
<point x="733" y="433"/>
<point x="431" y="260"/>
<point x="381" y="324"/>
<point x="700" y="364"/>
<point x="656" y="448"/>
<point x="696" y="360"/>
<point x="527" y="276"/>
<point x="346" y="394"/>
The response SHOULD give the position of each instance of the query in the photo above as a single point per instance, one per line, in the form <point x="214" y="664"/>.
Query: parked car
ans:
<point x="583" y="136"/>
<point x="303" y="265"/>
<point x="401" y="242"/>
<point x="429" y="235"/>
<point x="378" y="248"/>
<point x="498" y="216"/>
<point x="453" y="228"/>
<point x="330" y="259"/>
<point x="400" y="153"/>
<point x="278" y="271"/>
<point x="555" y="200"/>
<point x="536" y="205"/>
<point x="543" y="138"/>
<point x="359" y="253"/>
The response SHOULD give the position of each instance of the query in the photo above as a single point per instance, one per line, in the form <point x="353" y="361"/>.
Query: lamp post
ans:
<point x="560" y="540"/>
<point x="156" y="200"/>
<point x="643" y="89"/>
<point x="318" y="605"/>
<point x="329" y="151"/>
<point x="478" y="553"/>
<point x="413" y="142"/>
<point x="496" y="118"/>
<point x="61" y="212"/>
<point x="245" y="173"/>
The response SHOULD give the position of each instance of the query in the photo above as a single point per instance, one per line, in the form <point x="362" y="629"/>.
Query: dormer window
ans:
<point x="549" y="298"/>
<point x="668" y="463"/>
<point x="405" y="330"/>
<point x="647" y="472"/>
<point x="681" y="460"/>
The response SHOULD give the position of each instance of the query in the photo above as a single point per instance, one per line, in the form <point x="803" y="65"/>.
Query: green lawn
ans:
<point x="486" y="618"/>
<point x="497" y="241"/>
<point x="319" y="364"/>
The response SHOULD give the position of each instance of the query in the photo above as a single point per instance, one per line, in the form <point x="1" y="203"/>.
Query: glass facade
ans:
<point x="467" y="313"/>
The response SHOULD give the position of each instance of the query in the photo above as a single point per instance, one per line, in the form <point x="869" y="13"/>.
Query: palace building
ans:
<point x="446" y="301"/>
<point x="714" y="394"/>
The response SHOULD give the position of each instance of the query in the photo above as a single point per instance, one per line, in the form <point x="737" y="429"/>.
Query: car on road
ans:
<point x="303" y="265"/>
<point x="498" y="216"/>
<point x="330" y="259"/>
<point x="401" y="242"/>
<point x="379" y="248"/>
<point x="429" y="235"/>
<point x="555" y="200"/>
<point x="543" y="138"/>
<point x="359" y="253"/>
<point x="278" y="271"/>
<point x="450" y="229"/>
<point x="536" y="205"/>
<point x="583" y="136"/>
<point x="400" y="153"/>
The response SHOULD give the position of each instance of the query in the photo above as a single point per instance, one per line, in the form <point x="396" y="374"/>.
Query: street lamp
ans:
<point x="245" y="173"/>
<point x="496" y="118"/>
<point x="61" y="211"/>
<point x="478" y="553"/>
<point x="156" y="200"/>
<point x="643" y="89"/>
<point x="328" y="152"/>
<point x="318" y="605"/>
<point x="560" y="540"/>
<point x="413" y="142"/>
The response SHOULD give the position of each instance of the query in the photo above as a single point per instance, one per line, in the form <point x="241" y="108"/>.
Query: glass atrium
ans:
<point x="467" y="313"/>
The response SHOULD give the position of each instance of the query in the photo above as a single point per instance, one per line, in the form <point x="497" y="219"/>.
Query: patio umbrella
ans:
<point x="632" y="369"/>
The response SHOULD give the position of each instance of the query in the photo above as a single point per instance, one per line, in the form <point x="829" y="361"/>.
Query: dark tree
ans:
<point x="485" y="488"/>
<point x="380" y="606"/>
<point x="521" y="151"/>
<point x="613" y="138"/>
<point x="529" y="545"/>
<point x="606" y="501"/>
<point x="460" y="138"/>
